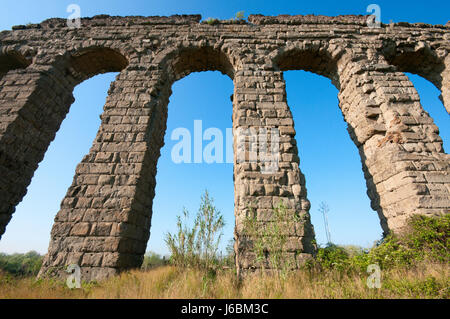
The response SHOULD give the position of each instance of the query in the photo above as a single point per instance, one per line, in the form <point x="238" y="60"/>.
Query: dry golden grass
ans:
<point x="424" y="281"/>
<point x="30" y="288"/>
<point x="168" y="282"/>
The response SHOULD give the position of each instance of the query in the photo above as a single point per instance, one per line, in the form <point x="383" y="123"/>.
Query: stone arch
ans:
<point x="172" y="65"/>
<point x="395" y="136"/>
<point x="105" y="216"/>
<point x="36" y="110"/>
<point x="306" y="58"/>
<point x="12" y="60"/>
<point x="316" y="57"/>
<point x="319" y="58"/>
<point x="325" y="59"/>
<point x="181" y="61"/>
<point x="260" y="103"/>
<point x="88" y="62"/>
<point x="421" y="59"/>
<point x="104" y="221"/>
<point x="373" y="102"/>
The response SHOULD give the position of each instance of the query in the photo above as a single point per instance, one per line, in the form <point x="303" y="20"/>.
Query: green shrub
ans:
<point x="196" y="245"/>
<point x="424" y="238"/>
<point x="21" y="264"/>
<point x="332" y="257"/>
<point x="182" y="244"/>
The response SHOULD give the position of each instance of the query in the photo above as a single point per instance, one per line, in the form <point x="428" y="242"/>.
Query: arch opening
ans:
<point x="309" y="65"/>
<point x="184" y="61"/>
<point x="40" y="113"/>
<point x="424" y="61"/>
<point x="419" y="59"/>
<point x="192" y="112"/>
<point x="431" y="102"/>
<point x="318" y="62"/>
<point x="35" y="213"/>
<point x="330" y="163"/>
<point x="93" y="61"/>
<point x="179" y="185"/>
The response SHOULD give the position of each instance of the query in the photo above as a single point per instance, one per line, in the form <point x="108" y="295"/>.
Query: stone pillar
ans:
<point x="260" y="102"/>
<point x="33" y="104"/>
<point x="406" y="169"/>
<point x="104" y="221"/>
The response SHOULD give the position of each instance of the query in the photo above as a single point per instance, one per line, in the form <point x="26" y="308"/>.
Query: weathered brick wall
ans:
<point x="104" y="221"/>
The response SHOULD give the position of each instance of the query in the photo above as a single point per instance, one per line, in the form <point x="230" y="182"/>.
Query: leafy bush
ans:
<point x="425" y="238"/>
<point x="21" y="264"/>
<point x="196" y="245"/>
<point x="332" y="257"/>
<point x="182" y="244"/>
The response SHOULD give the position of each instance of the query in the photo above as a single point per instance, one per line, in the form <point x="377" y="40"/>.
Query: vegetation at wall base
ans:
<point x="425" y="239"/>
<point x="269" y="241"/>
<point x="422" y="281"/>
<point x="195" y="244"/>
<point x="414" y="265"/>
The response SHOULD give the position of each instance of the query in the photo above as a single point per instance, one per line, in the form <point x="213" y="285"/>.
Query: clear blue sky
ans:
<point x="328" y="157"/>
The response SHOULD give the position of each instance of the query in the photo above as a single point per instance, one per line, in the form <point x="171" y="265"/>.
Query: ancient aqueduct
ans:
<point x="104" y="221"/>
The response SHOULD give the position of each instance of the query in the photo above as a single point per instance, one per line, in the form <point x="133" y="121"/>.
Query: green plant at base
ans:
<point x="425" y="238"/>
<point x="210" y="222"/>
<point x="196" y="246"/>
<point x="428" y="287"/>
<point x="269" y="240"/>
<point x="182" y="244"/>
<point x="332" y="257"/>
